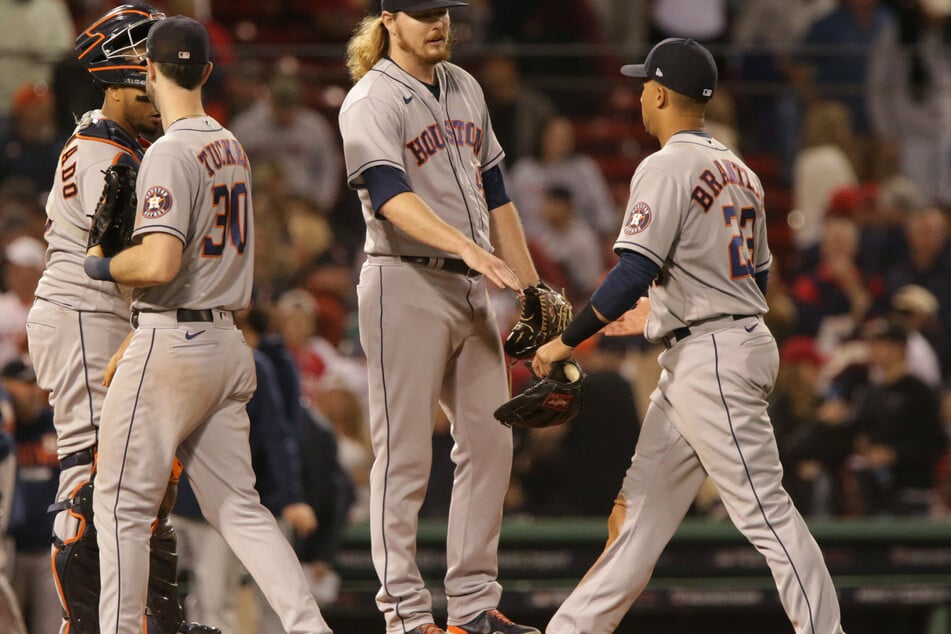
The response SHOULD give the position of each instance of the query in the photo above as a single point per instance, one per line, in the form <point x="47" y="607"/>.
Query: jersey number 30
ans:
<point x="741" y="246"/>
<point x="232" y="219"/>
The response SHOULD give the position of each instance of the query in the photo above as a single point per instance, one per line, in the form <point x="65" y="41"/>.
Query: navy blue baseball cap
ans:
<point x="681" y="65"/>
<point x="181" y="40"/>
<point x="418" y="5"/>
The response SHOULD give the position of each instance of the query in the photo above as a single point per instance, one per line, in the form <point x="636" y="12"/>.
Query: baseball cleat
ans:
<point x="491" y="622"/>
<point x="429" y="628"/>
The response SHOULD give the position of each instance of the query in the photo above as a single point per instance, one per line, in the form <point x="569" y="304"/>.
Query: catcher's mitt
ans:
<point x="545" y="315"/>
<point x="553" y="400"/>
<point x="114" y="219"/>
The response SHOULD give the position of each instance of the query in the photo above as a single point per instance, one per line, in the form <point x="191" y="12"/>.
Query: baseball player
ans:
<point x="421" y="153"/>
<point x="76" y="324"/>
<point x="696" y="227"/>
<point x="186" y="372"/>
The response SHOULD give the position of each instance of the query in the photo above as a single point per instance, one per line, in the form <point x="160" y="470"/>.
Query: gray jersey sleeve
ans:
<point x="654" y="214"/>
<point x="90" y="184"/>
<point x="372" y="136"/>
<point x="165" y="190"/>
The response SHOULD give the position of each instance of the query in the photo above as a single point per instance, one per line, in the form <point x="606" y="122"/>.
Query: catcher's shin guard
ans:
<point x="166" y="614"/>
<point x="76" y="565"/>
<point x="163" y="603"/>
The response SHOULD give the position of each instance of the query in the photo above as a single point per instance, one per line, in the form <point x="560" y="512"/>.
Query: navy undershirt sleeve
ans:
<point x="384" y="182"/>
<point x="762" y="279"/>
<point x="494" y="187"/>
<point x="626" y="283"/>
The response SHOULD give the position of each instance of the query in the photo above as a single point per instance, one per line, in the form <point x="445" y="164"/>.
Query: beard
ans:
<point x="425" y="53"/>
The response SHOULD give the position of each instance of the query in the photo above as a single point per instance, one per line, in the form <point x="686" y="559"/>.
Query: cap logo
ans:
<point x="659" y="72"/>
<point x="184" y="55"/>
<point x="707" y="92"/>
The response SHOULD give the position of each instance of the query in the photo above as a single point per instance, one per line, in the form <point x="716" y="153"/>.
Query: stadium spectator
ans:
<point x="557" y="163"/>
<point x="909" y="84"/>
<point x="821" y="168"/>
<point x="556" y="22"/>
<point x="30" y="147"/>
<point x="519" y="112"/>
<point x="898" y="436"/>
<point x="36" y="484"/>
<point x="834" y="56"/>
<point x="811" y="447"/>
<point x="281" y="127"/>
<point x="916" y="310"/>
<point x="34" y="33"/>
<point x="835" y="298"/>
<point x="23" y="262"/>
<point x="928" y="264"/>
<point x="570" y="241"/>
<point x="765" y="34"/>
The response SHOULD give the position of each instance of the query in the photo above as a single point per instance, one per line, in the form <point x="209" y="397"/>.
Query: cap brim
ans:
<point x="635" y="70"/>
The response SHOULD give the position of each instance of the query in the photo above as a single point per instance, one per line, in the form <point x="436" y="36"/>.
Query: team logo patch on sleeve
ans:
<point x="157" y="202"/>
<point x="639" y="219"/>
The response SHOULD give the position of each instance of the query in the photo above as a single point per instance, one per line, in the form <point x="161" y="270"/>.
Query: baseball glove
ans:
<point x="545" y="315"/>
<point x="553" y="400"/>
<point x="114" y="219"/>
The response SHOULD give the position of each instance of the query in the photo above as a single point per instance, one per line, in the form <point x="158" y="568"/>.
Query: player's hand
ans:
<point x="301" y="518"/>
<point x="630" y="323"/>
<point x="500" y="273"/>
<point x="114" y="361"/>
<point x="96" y="251"/>
<point x="554" y="350"/>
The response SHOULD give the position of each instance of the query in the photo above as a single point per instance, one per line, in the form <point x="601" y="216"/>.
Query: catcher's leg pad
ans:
<point x="76" y="566"/>
<point x="163" y="603"/>
<point x="164" y="609"/>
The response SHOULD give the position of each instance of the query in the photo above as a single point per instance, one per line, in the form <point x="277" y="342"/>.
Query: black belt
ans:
<point x="450" y="265"/>
<point x="183" y="315"/>
<point x="81" y="457"/>
<point x="683" y="333"/>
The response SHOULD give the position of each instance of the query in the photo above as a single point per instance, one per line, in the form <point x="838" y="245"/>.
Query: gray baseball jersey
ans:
<point x="429" y="335"/>
<point x="195" y="184"/>
<point x="697" y="211"/>
<point x="184" y="381"/>
<point x="443" y="145"/>
<point x="76" y="324"/>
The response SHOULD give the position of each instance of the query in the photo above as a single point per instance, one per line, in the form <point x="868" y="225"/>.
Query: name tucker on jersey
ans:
<point x="222" y="152"/>
<point x="710" y="186"/>
<point x="434" y="138"/>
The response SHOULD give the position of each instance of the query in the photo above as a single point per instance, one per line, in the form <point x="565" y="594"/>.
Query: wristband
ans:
<point x="584" y="325"/>
<point x="98" y="268"/>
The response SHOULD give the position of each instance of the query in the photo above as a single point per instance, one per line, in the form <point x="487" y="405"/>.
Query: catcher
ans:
<point x="76" y="324"/>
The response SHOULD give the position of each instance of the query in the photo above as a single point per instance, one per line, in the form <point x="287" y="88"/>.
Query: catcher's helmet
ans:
<point x="113" y="48"/>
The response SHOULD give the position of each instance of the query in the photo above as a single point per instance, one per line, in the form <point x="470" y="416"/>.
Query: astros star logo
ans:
<point x="158" y="201"/>
<point x="639" y="219"/>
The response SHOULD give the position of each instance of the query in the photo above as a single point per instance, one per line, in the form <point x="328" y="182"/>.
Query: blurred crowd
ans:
<point x="842" y="107"/>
